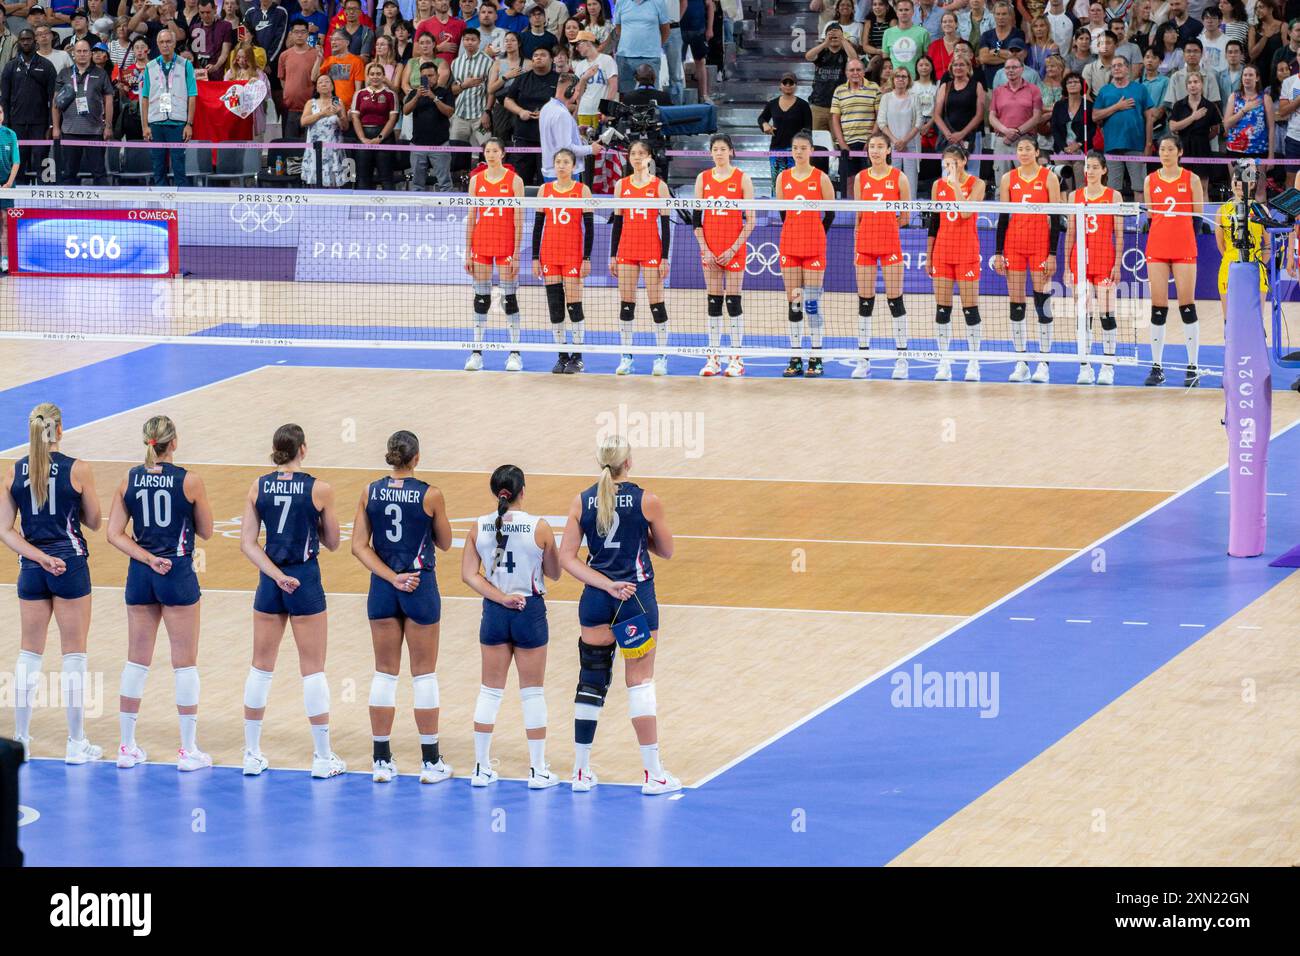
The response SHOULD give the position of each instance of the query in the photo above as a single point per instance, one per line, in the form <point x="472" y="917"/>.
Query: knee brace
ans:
<point x="133" y="677"/>
<point x="1159" y="313"/>
<point x="510" y="303"/>
<point x="316" y="694"/>
<point x="424" y="689"/>
<point x="812" y="298"/>
<point x="943" y="314"/>
<point x="715" y="306"/>
<point x="641" y="700"/>
<point x="488" y="704"/>
<point x="1188" y="313"/>
<point x="595" y="671"/>
<point x="1017" y="312"/>
<point x="626" y="311"/>
<point x="74" y="674"/>
<point x="482" y="304"/>
<point x="795" y="312"/>
<point x="383" y="690"/>
<point x="187" y="687"/>
<point x="534" y="704"/>
<point x="482" y="288"/>
<point x="897" y="308"/>
<point x="659" y="312"/>
<point x="733" y="306"/>
<point x="1043" y="306"/>
<point x="972" y="314"/>
<point x="257" y="687"/>
<point x="575" y="312"/>
<point x="27" y="672"/>
<point x="866" y="305"/>
<point x="1108" y="323"/>
<point x="555" y="302"/>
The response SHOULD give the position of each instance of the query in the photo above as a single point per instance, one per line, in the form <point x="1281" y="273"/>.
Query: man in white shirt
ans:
<point x="1060" y="22"/>
<point x="492" y="38"/>
<point x="1177" y="89"/>
<point x="558" y="129"/>
<point x="1213" y="40"/>
<point x="597" y="75"/>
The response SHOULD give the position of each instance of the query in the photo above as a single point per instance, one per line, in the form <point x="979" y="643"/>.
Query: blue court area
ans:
<point x="856" y="783"/>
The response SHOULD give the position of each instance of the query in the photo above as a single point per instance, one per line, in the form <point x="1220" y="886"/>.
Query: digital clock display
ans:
<point x="123" y="243"/>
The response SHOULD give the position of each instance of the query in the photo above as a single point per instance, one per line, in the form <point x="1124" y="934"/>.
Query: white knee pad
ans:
<point x="187" y="687"/>
<point x="74" y="673"/>
<point x="133" y="678"/>
<point x="488" y="704"/>
<point x="383" y="690"/>
<point x="257" y="687"/>
<point x="316" y="694"/>
<point x="534" y="702"/>
<point x="27" y="672"/>
<point x="425" y="688"/>
<point x="641" y="700"/>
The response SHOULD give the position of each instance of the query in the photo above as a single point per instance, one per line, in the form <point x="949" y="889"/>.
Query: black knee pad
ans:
<point x="866" y="305"/>
<point x="972" y="314"/>
<point x="733" y="306"/>
<point x="482" y="303"/>
<point x="626" y="311"/>
<point x="896" y="307"/>
<point x="943" y="314"/>
<point x="511" y="302"/>
<point x="1159" y="313"/>
<point x="795" y="312"/>
<point x="555" y="302"/>
<point x="575" y="312"/>
<point x="659" y="312"/>
<point x="715" y="306"/>
<point x="1042" y="305"/>
<point x="1108" y="323"/>
<point x="1017" y="312"/>
<point x="1188" y="313"/>
<point x="595" y="673"/>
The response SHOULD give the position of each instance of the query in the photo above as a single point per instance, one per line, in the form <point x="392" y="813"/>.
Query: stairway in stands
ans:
<point x="777" y="32"/>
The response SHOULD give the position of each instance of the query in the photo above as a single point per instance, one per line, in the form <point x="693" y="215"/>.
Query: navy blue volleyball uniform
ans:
<point x="402" y="535"/>
<point x="292" y="528"/>
<point x="162" y="521"/>
<point x="621" y="554"/>
<point x="55" y="528"/>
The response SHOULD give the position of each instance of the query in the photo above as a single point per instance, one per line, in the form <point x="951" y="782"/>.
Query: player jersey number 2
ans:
<point x="1170" y="203"/>
<point x="609" y="536"/>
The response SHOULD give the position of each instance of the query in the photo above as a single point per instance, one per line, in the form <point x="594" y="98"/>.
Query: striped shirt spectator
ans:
<point x="471" y="101"/>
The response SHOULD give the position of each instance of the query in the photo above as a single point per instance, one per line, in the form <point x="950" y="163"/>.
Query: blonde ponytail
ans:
<point x="43" y="427"/>
<point x="612" y="458"/>
<point x="159" y="433"/>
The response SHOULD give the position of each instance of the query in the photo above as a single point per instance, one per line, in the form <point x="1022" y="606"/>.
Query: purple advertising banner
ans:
<point x="1248" y="397"/>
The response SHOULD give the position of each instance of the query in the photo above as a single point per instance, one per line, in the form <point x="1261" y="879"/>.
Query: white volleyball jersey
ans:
<point x="518" y="568"/>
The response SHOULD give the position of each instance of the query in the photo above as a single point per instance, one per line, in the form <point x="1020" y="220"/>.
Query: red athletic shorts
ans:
<point x="968" y="271"/>
<point x="883" y="258"/>
<point x="494" y="260"/>
<point x="1022" y="262"/>
<point x="643" y="263"/>
<point x="569" y="270"/>
<point x="736" y="263"/>
<point x="807" y="263"/>
<point x="1181" y="260"/>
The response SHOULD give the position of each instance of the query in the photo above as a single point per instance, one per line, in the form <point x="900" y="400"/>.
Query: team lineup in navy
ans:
<point x="289" y="515"/>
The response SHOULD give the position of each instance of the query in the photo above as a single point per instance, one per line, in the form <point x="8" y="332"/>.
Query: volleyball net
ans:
<point x="352" y="269"/>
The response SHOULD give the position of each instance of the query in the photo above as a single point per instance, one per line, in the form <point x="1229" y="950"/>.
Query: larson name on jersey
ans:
<point x="146" y="480"/>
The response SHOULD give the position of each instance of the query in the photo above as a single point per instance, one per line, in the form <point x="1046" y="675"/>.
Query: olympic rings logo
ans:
<point x="764" y="256"/>
<point x="260" y="216"/>
<point x="1134" y="260"/>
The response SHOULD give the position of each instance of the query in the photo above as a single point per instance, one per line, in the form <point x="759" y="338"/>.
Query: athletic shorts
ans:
<point x="308" y="599"/>
<point x="568" y="270"/>
<point x="421" y="606"/>
<point x="957" y="271"/>
<point x="643" y="263"/>
<point x="694" y="40"/>
<point x="503" y="262"/>
<point x="735" y="264"/>
<point x="1093" y="278"/>
<point x="526" y="628"/>
<point x="37" y="584"/>
<point x="1020" y="262"/>
<point x="1181" y="260"/>
<point x="880" y="258"/>
<point x="597" y="609"/>
<point x="807" y="263"/>
<point x="179" y="587"/>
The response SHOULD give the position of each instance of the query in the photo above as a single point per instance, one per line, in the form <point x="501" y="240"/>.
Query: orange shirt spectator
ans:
<point x="346" y="70"/>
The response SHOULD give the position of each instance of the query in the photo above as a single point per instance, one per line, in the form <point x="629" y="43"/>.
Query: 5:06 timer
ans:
<point x="92" y="247"/>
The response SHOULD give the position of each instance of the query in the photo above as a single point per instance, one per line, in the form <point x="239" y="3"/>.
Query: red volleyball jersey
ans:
<point x="958" y="240"/>
<point x="494" y="227"/>
<point x="723" y="227"/>
<point x="878" y="231"/>
<point x="802" y="234"/>
<point x="1028" y="233"/>
<point x="562" y="230"/>
<point x="639" y="240"/>
<point x="1173" y="234"/>
<point x="1099" y="230"/>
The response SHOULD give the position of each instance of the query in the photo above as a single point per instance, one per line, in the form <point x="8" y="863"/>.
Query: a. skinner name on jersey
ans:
<point x="408" y="495"/>
<point x="145" y="480"/>
<point x="620" y="501"/>
<point x="273" y="487"/>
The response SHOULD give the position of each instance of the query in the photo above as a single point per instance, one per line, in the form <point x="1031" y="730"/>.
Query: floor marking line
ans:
<point x="957" y="627"/>
<point x="899" y="544"/>
<point x="1192" y="625"/>
<point x="1078" y="620"/>
<point x="1024" y="619"/>
<point x="1138" y="623"/>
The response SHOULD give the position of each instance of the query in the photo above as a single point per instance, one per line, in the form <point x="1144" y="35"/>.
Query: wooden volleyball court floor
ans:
<point x="905" y="622"/>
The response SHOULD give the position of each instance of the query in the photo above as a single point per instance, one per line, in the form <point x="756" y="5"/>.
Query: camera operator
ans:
<point x="646" y="91"/>
<point x="559" y="130"/>
<point x="525" y="99"/>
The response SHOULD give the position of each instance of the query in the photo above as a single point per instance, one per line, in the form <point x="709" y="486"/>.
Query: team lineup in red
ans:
<point x="1026" y="255"/>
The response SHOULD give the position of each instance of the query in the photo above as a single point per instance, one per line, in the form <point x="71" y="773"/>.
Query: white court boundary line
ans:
<point x="957" y="627"/>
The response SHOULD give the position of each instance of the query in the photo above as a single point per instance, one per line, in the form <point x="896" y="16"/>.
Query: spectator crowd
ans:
<point x="1079" y="74"/>
<point x="363" y="72"/>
